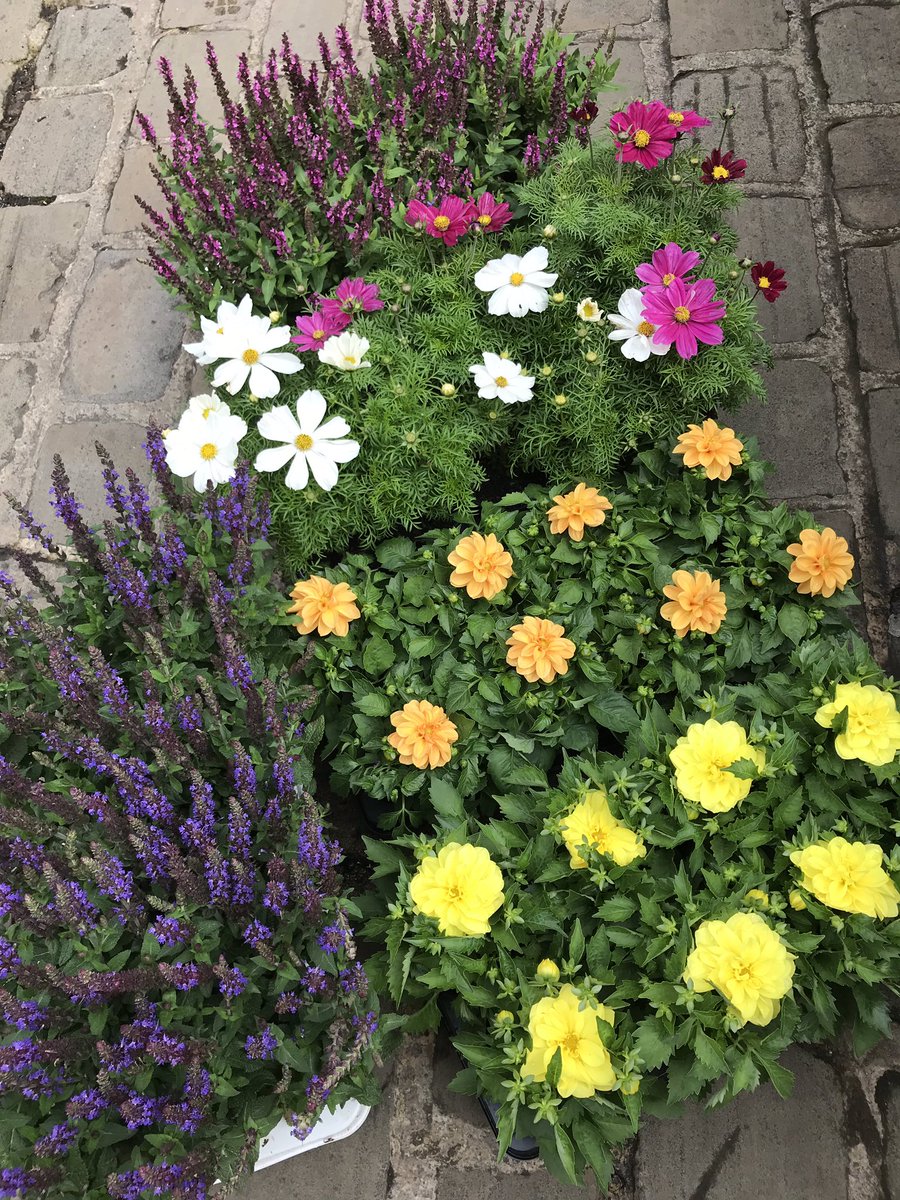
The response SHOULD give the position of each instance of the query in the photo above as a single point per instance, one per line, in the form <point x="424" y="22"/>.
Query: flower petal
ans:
<point x="324" y="470"/>
<point x="311" y="408"/>
<point x="278" y="425"/>
<point x="274" y="458"/>
<point x="298" y="474"/>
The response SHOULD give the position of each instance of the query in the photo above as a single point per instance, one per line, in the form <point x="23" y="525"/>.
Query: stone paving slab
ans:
<point x="709" y="26"/>
<point x="769" y="131"/>
<point x="873" y="276"/>
<point x="868" y="199"/>
<point x="858" y="50"/>
<point x="37" y="246"/>
<point x="126" y="335"/>
<point x="718" y="1155"/>
<point x="86" y="45"/>
<point x="781" y="228"/>
<point x="125" y="214"/>
<point x="56" y="145"/>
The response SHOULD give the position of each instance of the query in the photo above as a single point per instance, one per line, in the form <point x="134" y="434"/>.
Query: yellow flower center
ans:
<point x="668" y="278"/>
<point x="442" y="222"/>
<point x="250" y="357"/>
<point x="484" y="219"/>
<point x="208" y="450"/>
<point x="350" y="359"/>
<point x="645" y="328"/>
<point x="570" y="1044"/>
<point x="764" y="282"/>
<point x="517" y="279"/>
<point x="682" y="314"/>
<point x="676" y="118"/>
<point x="720" y="172"/>
<point x="207" y="411"/>
<point x="221" y="329"/>
<point x="501" y="381"/>
<point x="318" y="334"/>
<point x="641" y="138"/>
<point x="303" y="441"/>
<point x="454" y="892"/>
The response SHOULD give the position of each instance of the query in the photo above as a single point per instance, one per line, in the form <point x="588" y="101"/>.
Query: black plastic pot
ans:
<point x="522" y="1149"/>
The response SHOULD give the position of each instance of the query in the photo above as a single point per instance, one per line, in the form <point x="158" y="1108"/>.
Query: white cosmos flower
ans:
<point x="312" y="445"/>
<point x="500" y="379"/>
<point x="247" y="346"/>
<point x="209" y="349"/>
<point x="346" y="351"/>
<point x="207" y="405"/>
<point x="633" y="330"/>
<point x="517" y="285"/>
<point x="589" y="310"/>
<point x="205" y="447"/>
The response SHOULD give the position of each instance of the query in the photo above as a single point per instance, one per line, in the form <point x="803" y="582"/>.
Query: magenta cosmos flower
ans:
<point x="684" y="120"/>
<point x="643" y="133"/>
<point x="685" y="313"/>
<point x="449" y="221"/>
<point x="353" y="296"/>
<point x="667" y="265"/>
<point x="315" y="330"/>
<point x="491" y="214"/>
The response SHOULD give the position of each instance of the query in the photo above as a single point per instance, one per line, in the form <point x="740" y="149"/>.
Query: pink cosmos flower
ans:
<point x="667" y="265"/>
<point x="491" y="214"/>
<point x="449" y="221"/>
<point x="684" y="120"/>
<point x="643" y="133"/>
<point x="685" y="313"/>
<point x="353" y="296"/>
<point x="319" y="326"/>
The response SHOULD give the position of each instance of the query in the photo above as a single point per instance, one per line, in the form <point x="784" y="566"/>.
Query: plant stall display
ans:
<point x="178" y="973"/>
<point x="636" y="778"/>
<point x="318" y="156"/>
<point x="644" y="788"/>
<point x="443" y="374"/>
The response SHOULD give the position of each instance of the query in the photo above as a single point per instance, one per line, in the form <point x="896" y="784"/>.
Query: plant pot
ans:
<point x="281" y="1144"/>
<point x="522" y="1149"/>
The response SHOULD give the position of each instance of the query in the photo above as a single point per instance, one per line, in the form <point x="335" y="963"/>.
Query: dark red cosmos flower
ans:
<point x="769" y="279"/>
<point x="720" y="168"/>
<point x="585" y="113"/>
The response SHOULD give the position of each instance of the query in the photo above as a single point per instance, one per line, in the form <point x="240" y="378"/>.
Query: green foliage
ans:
<point x="528" y="752"/>
<point x="424" y="454"/>
<point x="421" y="638"/>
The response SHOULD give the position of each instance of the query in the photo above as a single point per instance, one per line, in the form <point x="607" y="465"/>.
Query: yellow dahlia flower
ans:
<point x="423" y="735"/>
<point x="822" y="563"/>
<point x="591" y="821"/>
<point x="560" y="1023"/>
<point x="848" y="876"/>
<point x="746" y="961"/>
<point x="461" y="887"/>
<point x="481" y="565"/>
<point x="538" y="650"/>
<point x="873" y="723"/>
<point x="695" y="602"/>
<point x="323" y="607"/>
<point x="701" y="757"/>
<point x="711" y="447"/>
<point x="572" y="511"/>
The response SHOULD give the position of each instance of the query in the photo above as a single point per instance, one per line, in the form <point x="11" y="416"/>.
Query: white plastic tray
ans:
<point x="331" y="1127"/>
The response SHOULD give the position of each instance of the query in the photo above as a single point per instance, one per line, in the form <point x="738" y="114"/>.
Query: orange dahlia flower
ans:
<point x="574" y="510"/>
<point x="538" y="650"/>
<point x="481" y="565"/>
<point x="696" y="601"/>
<point x="823" y="563"/>
<point x="709" y="446"/>
<point x="323" y="607"/>
<point x="423" y="735"/>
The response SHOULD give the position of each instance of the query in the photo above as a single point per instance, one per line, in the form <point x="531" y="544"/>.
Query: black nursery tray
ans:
<point x="522" y="1149"/>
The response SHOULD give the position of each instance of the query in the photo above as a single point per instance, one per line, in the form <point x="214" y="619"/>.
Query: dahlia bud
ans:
<point x="796" y="901"/>
<point x="560" y="399"/>
<point x="275" y="316"/>
<point x="547" y="971"/>
<point x="549" y="232"/>
<point x="448" y="389"/>
<point x="546" y="370"/>
<point x="558" y="297"/>
<point x="591" y="356"/>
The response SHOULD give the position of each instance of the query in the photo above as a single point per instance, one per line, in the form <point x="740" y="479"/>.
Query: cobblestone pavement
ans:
<point x="90" y="346"/>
